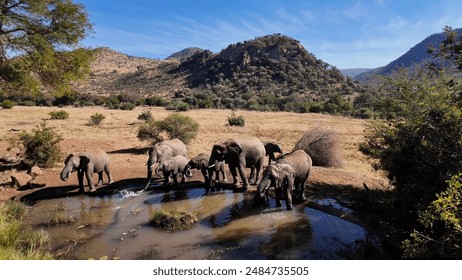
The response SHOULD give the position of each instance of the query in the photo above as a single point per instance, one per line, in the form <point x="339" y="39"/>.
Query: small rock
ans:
<point x="35" y="171"/>
<point x="20" y="179"/>
<point x="37" y="182"/>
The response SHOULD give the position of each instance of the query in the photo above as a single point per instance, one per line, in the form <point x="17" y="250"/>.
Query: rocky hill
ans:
<point x="267" y="70"/>
<point x="417" y="55"/>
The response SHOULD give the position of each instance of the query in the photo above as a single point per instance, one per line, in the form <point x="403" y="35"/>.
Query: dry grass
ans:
<point x="172" y="220"/>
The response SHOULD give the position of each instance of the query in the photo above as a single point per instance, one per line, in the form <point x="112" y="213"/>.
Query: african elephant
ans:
<point x="173" y="166"/>
<point x="87" y="163"/>
<point x="201" y="162"/>
<point x="239" y="154"/>
<point x="162" y="151"/>
<point x="288" y="174"/>
<point x="270" y="149"/>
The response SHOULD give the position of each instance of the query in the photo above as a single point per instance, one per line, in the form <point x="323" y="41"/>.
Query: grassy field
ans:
<point x="117" y="134"/>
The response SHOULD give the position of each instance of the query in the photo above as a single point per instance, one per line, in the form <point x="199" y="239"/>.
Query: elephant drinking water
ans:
<point x="287" y="175"/>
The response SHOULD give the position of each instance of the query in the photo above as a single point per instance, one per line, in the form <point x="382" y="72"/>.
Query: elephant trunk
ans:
<point x="65" y="174"/>
<point x="263" y="186"/>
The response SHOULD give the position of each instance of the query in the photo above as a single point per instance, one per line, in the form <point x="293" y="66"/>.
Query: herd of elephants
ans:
<point x="287" y="173"/>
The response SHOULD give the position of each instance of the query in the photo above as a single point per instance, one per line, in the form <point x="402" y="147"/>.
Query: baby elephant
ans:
<point x="201" y="162"/>
<point x="87" y="164"/>
<point x="173" y="166"/>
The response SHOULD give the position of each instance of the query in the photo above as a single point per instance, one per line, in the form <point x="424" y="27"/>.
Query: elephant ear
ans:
<point x="234" y="147"/>
<point x="84" y="161"/>
<point x="68" y="158"/>
<point x="288" y="171"/>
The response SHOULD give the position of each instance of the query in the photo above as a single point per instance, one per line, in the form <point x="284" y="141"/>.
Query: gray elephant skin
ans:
<point x="174" y="166"/>
<point x="87" y="164"/>
<point x="270" y="149"/>
<point x="286" y="175"/>
<point x="163" y="151"/>
<point x="200" y="162"/>
<point x="240" y="154"/>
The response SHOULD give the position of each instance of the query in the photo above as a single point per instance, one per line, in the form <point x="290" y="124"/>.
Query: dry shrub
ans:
<point x="323" y="146"/>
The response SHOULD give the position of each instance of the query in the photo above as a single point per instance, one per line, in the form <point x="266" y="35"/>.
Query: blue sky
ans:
<point x="346" y="34"/>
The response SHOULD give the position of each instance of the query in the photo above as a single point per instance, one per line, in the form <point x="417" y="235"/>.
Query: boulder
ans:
<point x="35" y="171"/>
<point x="37" y="182"/>
<point x="20" y="179"/>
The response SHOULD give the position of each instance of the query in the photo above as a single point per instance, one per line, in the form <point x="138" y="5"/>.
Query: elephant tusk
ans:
<point x="212" y="166"/>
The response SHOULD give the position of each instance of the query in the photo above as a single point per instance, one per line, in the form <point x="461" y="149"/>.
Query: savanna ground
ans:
<point x="118" y="136"/>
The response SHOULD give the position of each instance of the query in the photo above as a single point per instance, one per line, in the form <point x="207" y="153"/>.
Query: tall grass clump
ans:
<point x="323" y="146"/>
<point x="18" y="242"/>
<point x="59" y="216"/>
<point x="59" y="115"/>
<point x="96" y="119"/>
<point x="172" y="220"/>
<point x="234" y="120"/>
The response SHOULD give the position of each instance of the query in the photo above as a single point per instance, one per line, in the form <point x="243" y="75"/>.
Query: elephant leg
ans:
<point x="223" y="175"/>
<point x="245" y="182"/>
<point x="175" y="180"/>
<point x="100" y="179"/>
<point x="278" y="194"/>
<point x="233" y="170"/>
<point x="288" y="198"/>
<point x="204" y="173"/>
<point x="252" y="175"/>
<point x="81" y="185"/>
<point x="89" y="176"/>
<point x="107" y="170"/>
<point x="166" y="178"/>
<point x="217" y="176"/>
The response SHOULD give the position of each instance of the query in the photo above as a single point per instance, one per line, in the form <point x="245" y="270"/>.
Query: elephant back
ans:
<point x="253" y="147"/>
<point x="299" y="160"/>
<point x="178" y="147"/>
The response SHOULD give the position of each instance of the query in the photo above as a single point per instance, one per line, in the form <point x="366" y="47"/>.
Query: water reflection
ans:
<point x="229" y="227"/>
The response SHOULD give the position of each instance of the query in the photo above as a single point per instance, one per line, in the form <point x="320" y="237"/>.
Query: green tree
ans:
<point x="38" y="44"/>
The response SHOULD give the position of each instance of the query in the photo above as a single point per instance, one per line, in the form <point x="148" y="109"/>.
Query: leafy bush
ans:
<point x="175" y="126"/>
<point x="59" y="115"/>
<point x="8" y="104"/>
<point x="41" y="146"/>
<point x="145" y="115"/>
<point x="180" y="126"/>
<point x="234" y="120"/>
<point x="323" y="146"/>
<point x="17" y="242"/>
<point x="96" y="119"/>
<point x="127" y="106"/>
<point x="150" y="131"/>
<point x="441" y="233"/>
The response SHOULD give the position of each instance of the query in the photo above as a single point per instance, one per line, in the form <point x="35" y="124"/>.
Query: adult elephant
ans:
<point x="286" y="175"/>
<point x="270" y="149"/>
<point x="239" y="154"/>
<point x="87" y="164"/>
<point x="163" y="151"/>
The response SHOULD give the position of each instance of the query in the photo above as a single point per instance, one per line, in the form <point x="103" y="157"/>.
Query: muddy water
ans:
<point x="229" y="227"/>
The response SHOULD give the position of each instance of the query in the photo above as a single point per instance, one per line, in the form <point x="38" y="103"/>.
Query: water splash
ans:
<point x="125" y="193"/>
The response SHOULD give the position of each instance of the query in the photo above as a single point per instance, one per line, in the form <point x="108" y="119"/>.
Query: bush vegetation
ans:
<point x="146" y="115"/>
<point x="17" y="242"/>
<point x="8" y="104"/>
<point x="173" y="126"/>
<point x="323" y="146"/>
<point x="234" y="120"/>
<point x="59" y="216"/>
<point x="96" y="119"/>
<point x="420" y="153"/>
<point x="59" y="115"/>
<point x="41" y="146"/>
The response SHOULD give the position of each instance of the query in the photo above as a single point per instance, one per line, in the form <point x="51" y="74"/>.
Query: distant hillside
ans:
<point x="353" y="72"/>
<point x="266" y="73"/>
<point x="415" y="56"/>
<point x="185" y="54"/>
